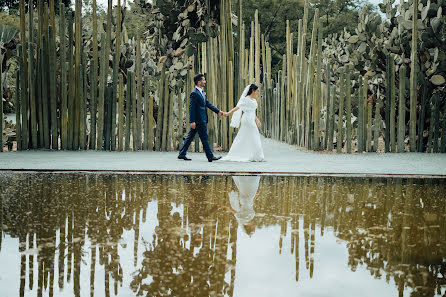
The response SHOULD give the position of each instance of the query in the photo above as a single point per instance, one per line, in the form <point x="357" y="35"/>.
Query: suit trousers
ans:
<point x="202" y="132"/>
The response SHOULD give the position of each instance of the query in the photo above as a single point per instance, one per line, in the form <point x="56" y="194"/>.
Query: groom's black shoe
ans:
<point x="214" y="158"/>
<point x="184" y="158"/>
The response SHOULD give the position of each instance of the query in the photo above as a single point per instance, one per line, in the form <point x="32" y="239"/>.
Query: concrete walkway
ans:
<point x="280" y="159"/>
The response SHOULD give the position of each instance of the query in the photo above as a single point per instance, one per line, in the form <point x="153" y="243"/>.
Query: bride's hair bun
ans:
<point x="252" y="88"/>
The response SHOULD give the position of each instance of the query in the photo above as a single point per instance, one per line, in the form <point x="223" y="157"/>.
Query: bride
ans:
<point x="247" y="146"/>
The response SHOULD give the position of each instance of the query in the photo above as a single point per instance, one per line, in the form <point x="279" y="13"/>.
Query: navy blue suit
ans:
<point x="198" y="115"/>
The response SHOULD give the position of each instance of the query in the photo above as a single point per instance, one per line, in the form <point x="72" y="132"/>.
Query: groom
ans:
<point x="198" y="119"/>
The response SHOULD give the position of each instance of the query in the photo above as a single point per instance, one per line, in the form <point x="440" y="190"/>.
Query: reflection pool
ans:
<point x="173" y="235"/>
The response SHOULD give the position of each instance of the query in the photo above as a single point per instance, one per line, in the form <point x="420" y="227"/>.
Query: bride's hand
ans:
<point x="258" y="123"/>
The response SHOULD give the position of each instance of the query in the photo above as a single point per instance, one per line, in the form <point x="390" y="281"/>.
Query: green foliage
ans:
<point x="335" y="16"/>
<point x="13" y="5"/>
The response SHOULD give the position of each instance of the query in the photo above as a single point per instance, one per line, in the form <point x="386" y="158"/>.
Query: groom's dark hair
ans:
<point x="198" y="77"/>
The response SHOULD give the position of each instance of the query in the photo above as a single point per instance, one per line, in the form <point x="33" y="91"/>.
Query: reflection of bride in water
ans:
<point x="242" y="202"/>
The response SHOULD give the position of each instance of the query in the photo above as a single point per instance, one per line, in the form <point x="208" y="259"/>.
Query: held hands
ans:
<point x="223" y="114"/>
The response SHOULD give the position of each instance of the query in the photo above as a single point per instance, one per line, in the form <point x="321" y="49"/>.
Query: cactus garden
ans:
<point x="79" y="82"/>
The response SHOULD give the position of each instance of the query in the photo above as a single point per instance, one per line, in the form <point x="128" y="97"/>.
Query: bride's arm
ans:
<point x="234" y="110"/>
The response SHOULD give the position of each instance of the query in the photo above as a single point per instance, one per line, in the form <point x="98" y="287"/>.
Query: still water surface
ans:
<point x="128" y="235"/>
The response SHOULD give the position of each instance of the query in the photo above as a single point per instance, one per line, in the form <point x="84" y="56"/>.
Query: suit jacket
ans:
<point x="197" y="107"/>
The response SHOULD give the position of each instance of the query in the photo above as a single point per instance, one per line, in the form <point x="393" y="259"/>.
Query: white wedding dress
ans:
<point x="246" y="146"/>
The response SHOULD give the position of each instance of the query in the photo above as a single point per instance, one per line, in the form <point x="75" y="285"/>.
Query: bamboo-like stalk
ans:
<point x="102" y="85"/>
<point x="94" y="77"/>
<point x="387" y="110"/>
<point x="24" y="74"/>
<point x="71" y="86"/>
<point x="116" y="59"/>
<point x="413" y="79"/>
<point x="23" y="97"/>
<point x="436" y="122"/>
<point x="348" y="110"/>
<point x="288" y="53"/>
<point x="402" y="109"/>
<point x="424" y="102"/>
<point x="108" y="107"/>
<point x="139" y="99"/>
<point x="311" y="79"/>
<point x="135" y="115"/>
<point x="159" y="118"/>
<point x="339" y="134"/>
<point x="330" y="115"/>
<point x="44" y="91"/>
<point x="251" y="54"/>
<point x="77" y="67"/>
<point x="431" y="105"/>
<point x="241" y="44"/>
<point x="18" y="126"/>
<point x="63" y="79"/>
<point x="39" y="99"/>
<point x="128" y="110"/>
<point x="392" y="106"/>
<point x="166" y="99"/>
<point x="170" y="138"/>
<point x="150" y="122"/>
<point x="121" y="119"/>
<point x="257" y="47"/>
<point x="52" y="84"/>
<point x="146" y="113"/>
<point x="32" y="93"/>
<point x="230" y="98"/>
<point x="224" y="64"/>
<point x="317" y="93"/>
<point x="365" y="90"/>
<point x="377" y="122"/>
<point x="83" y="105"/>
<point x="360" y="117"/>
<point x="81" y="100"/>
<point x="282" y="101"/>
<point x="369" y="126"/>
<point x="268" y="65"/>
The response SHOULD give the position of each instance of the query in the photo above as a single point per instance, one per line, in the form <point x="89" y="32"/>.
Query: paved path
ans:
<point x="280" y="159"/>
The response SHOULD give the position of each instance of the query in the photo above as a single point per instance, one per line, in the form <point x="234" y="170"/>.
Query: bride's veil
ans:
<point x="237" y="116"/>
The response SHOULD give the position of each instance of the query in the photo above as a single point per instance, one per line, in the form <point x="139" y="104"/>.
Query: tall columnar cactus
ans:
<point x="339" y="132"/>
<point x="360" y="117"/>
<point x="402" y="109"/>
<point x="317" y="92"/>
<point x="392" y="106"/>
<point x="32" y="95"/>
<point x="94" y="76"/>
<point x="389" y="87"/>
<point x="138" y="93"/>
<point x="121" y="119"/>
<point x="310" y="79"/>
<point x="414" y="79"/>
<point x="102" y="85"/>
<point x="53" y="94"/>
<point x="63" y="78"/>
<point x="18" y="126"/>
<point x="348" y="110"/>
<point x="377" y="122"/>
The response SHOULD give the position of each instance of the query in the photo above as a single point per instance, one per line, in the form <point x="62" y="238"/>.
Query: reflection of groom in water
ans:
<point x="198" y="119"/>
